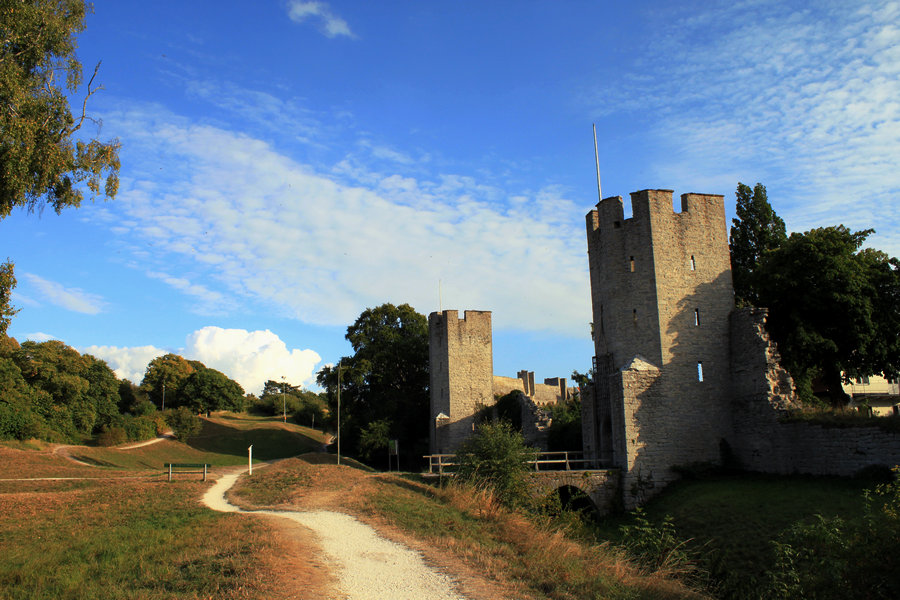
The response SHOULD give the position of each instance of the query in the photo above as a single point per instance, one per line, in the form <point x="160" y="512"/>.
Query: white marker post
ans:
<point x="250" y="460"/>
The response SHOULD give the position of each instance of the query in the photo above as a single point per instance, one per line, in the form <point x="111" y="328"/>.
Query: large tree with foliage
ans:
<point x="755" y="231"/>
<point x="834" y="307"/>
<point x="385" y="380"/>
<point x="207" y="389"/>
<point x="43" y="160"/>
<point x="7" y="283"/>
<point x="163" y="376"/>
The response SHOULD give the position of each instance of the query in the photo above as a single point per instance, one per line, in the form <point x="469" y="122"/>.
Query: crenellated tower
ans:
<point x="661" y="295"/>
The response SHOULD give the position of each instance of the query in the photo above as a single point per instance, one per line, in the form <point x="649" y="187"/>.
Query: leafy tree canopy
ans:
<point x="756" y="230"/>
<point x="385" y="379"/>
<point x="207" y="389"/>
<point x="164" y="375"/>
<point x="496" y="456"/>
<point x="7" y="283"/>
<point x="834" y="308"/>
<point x="41" y="158"/>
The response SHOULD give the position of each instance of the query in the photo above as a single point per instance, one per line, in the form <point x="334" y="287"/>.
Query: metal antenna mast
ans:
<point x="597" y="159"/>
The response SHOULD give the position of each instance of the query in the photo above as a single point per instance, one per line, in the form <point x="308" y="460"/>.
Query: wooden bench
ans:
<point x="181" y="468"/>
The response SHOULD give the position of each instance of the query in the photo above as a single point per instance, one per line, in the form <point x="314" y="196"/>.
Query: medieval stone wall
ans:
<point x="763" y="394"/>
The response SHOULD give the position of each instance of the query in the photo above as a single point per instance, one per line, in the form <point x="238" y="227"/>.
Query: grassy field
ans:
<point x="122" y="531"/>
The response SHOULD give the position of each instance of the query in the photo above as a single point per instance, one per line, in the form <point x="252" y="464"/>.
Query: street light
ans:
<point x="339" y="415"/>
<point x="283" y="405"/>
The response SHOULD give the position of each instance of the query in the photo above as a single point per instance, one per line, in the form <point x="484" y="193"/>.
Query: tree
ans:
<point x="163" y="376"/>
<point x="755" y="231"/>
<point x="7" y="283"/>
<point x="41" y="158"/>
<point x="834" y="309"/>
<point x="207" y="389"/>
<point x="385" y="379"/>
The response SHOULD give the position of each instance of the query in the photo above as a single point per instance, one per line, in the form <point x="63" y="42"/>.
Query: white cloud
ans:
<point x="322" y="246"/>
<point x="73" y="299"/>
<point x="40" y="336"/>
<point x="126" y="363"/>
<point x="251" y="357"/>
<point x="805" y="100"/>
<point x="330" y="24"/>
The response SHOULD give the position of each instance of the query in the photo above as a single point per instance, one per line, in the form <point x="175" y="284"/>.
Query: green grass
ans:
<point x="129" y="539"/>
<point x="731" y="521"/>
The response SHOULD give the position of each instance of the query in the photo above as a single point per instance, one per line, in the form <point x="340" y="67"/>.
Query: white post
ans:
<point x="250" y="460"/>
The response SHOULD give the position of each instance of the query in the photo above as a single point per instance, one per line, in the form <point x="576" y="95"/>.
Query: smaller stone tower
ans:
<point x="462" y="367"/>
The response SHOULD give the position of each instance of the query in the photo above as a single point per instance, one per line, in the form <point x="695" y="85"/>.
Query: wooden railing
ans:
<point x="444" y="464"/>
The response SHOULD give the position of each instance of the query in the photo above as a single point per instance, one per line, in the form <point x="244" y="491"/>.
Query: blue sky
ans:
<point x="286" y="164"/>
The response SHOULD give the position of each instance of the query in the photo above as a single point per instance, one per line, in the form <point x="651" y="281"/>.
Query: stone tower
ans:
<point x="462" y="367"/>
<point x="661" y="295"/>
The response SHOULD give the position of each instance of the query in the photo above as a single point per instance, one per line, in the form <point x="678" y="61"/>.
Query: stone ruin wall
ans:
<point x="763" y="393"/>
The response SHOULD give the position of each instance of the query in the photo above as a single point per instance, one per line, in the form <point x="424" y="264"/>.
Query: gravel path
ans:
<point x="369" y="567"/>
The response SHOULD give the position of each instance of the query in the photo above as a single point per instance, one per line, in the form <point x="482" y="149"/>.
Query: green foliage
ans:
<point x="184" y="423"/>
<point x="496" y="456"/>
<point x="70" y="393"/>
<point x="755" y="231"/>
<point x="112" y="436"/>
<point x="386" y="378"/>
<point x="374" y="438"/>
<point x="7" y="283"/>
<point x="834" y="309"/>
<point x="833" y="558"/>
<point x="565" y="428"/>
<point x="303" y="406"/>
<point x="163" y="377"/>
<point x="207" y="389"/>
<point x="41" y="160"/>
<point x="657" y="546"/>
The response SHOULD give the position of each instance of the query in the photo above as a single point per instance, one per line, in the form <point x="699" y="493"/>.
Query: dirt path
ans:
<point x="368" y="566"/>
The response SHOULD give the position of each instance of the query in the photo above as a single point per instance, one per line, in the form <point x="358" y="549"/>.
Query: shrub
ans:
<point x="833" y="558"/>
<point x="112" y="436"/>
<point x="496" y="456"/>
<point x="140" y="428"/>
<point x="184" y="422"/>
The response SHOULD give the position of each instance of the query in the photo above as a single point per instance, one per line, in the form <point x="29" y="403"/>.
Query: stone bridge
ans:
<point x="601" y="486"/>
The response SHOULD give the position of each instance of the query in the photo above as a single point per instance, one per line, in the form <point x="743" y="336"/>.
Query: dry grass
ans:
<point x="494" y="551"/>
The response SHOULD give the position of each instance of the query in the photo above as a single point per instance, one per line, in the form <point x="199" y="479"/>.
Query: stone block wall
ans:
<point x="763" y="395"/>
<point x="461" y="365"/>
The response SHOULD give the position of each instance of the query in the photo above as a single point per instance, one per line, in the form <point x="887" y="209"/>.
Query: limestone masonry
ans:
<point x="462" y="381"/>
<point x="680" y="376"/>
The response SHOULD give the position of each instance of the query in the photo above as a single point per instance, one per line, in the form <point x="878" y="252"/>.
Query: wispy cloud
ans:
<point x="73" y="299"/>
<point x="323" y="245"/>
<point x="330" y="24"/>
<point x="211" y="301"/>
<point x="804" y="99"/>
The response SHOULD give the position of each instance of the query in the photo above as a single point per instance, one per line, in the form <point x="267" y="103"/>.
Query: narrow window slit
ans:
<point x="693" y="263"/>
<point x="697" y="317"/>
<point x="632" y="264"/>
<point x="699" y="371"/>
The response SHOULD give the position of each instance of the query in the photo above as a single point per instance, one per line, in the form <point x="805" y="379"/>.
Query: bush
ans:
<point x="496" y="456"/>
<point x="140" y="428"/>
<point x="833" y="558"/>
<point x="112" y="436"/>
<point x="184" y="422"/>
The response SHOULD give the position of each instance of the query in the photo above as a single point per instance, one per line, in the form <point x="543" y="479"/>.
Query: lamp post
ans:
<point x="283" y="405"/>
<point x="339" y="415"/>
<point x="164" y="396"/>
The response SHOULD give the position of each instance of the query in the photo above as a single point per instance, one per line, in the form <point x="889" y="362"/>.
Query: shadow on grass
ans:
<point x="268" y="442"/>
